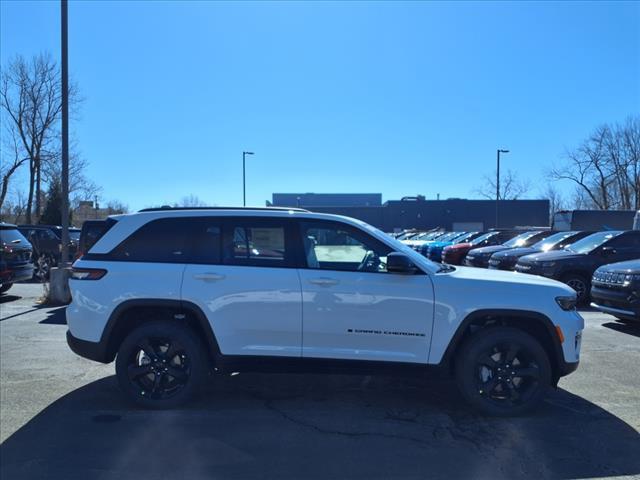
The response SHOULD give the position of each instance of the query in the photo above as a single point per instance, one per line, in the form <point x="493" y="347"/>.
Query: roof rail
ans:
<point x="169" y="208"/>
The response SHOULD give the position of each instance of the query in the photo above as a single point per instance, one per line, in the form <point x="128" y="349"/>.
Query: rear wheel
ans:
<point x="5" y="287"/>
<point x="580" y="284"/>
<point x="503" y="371"/>
<point x="161" y="365"/>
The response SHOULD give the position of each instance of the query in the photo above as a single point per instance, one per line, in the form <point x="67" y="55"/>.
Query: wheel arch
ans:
<point x="535" y="323"/>
<point x="133" y="313"/>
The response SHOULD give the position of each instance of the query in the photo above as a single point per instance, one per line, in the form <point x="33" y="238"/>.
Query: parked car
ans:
<point x="15" y="261"/>
<point x="507" y="259"/>
<point x="576" y="264"/>
<point x="423" y="237"/>
<point x="455" y="254"/>
<point x="480" y="257"/>
<point x="422" y="245"/>
<point x="433" y="250"/>
<point x="615" y="289"/>
<point x="196" y="303"/>
<point x="47" y="245"/>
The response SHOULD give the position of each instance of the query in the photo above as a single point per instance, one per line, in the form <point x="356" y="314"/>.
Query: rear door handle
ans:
<point x="324" y="281"/>
<point x="208" y="277"/>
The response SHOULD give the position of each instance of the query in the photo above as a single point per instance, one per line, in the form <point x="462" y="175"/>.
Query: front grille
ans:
<point x="523" y="268"/>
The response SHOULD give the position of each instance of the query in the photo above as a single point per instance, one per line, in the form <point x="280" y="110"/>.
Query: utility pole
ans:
<point x="65" y="132"/>
<point x="499" y="151"/>
<point x="244" y="183"/>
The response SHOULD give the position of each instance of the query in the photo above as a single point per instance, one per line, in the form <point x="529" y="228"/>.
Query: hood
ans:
<point x="554" y="256"/>
<point x="508" y="279"/>
<point x="437" y="244"/>
<point x="631" y="266"/>
<point x="515" y="252"/>
<point x="460" y="246"/>
<point x="486" y="251"/>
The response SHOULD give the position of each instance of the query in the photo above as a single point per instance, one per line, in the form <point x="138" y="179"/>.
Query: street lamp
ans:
<point x="244" y="184"/>
<point x="499" y="151"/>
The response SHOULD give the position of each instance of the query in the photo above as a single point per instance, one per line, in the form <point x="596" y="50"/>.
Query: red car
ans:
<point x="455" y="254"/>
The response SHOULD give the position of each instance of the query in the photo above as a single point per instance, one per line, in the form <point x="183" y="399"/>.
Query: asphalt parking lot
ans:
<point x="62" y="417"/>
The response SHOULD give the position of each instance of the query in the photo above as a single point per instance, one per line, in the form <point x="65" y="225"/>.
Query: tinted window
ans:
<point x="333" y="246"/>
<point x="257" y="242"/>
<point x="162" y="241"/>
<point x="626" y="240"/>
<point x="206" y="237"/>
<point x="591" y="242"/>
<point x="92" y="231"/>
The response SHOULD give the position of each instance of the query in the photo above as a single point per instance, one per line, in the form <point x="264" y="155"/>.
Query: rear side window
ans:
<point x="92" y="231"/>
<point x="161" y="241"/>
<point x="206" y="241"/>
<point x="261" y="243"/>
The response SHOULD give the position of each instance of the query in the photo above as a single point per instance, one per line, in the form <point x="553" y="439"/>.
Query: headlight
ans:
<point x="547" y="264"/>
<point x="566" y="303"/>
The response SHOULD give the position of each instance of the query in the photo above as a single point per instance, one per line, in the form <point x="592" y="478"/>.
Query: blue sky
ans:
<point x="398" y="98"/>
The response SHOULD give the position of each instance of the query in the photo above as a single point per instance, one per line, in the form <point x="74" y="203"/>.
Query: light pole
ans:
<point x="65" y="132"/>
<point x="499" y="151"/>
<point x="244" y="184"/>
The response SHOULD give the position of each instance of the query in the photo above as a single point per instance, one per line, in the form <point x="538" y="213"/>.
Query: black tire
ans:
<point x="42" y="266"/>
<point x="5" y="287"/>
<point x="487" y="367"/>
<point x="149" y="356"/>
<point x="580" y="284"/>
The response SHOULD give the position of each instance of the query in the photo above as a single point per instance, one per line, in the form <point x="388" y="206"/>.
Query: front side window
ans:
<point x="332" y="246"/>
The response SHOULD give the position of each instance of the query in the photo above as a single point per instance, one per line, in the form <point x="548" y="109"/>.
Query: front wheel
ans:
<point x="580" y="284"/>
<point x="5" y="287"/>
<point x="503" y="371"/>
<point x="161" y="364"/>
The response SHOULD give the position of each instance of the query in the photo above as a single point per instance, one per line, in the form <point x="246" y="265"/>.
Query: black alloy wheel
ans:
<point x="161" y="364"/>
<point x="503" y="371"/>
<point x="580" y="285"/>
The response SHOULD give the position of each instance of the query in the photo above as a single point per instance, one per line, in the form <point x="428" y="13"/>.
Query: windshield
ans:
<point x="448" y="236"/>
<point x="549" y="243"/>
<point x="465" y="237"/>
<point x="587" y="244"/>
<point x="520" y="240"/>
<point x="482" y="238"/>
<point x="12" y="236"/>
<point x="74" y="235"/>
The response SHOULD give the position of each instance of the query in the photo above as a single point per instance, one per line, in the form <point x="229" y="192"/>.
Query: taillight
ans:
<point x="87" y="273"/>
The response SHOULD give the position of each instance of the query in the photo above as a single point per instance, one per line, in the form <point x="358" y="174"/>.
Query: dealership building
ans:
<point x="418" y="212"/>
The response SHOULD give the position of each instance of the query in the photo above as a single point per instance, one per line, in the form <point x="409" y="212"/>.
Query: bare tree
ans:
<point x="190" y="201"/>
<point x="511" y="187"/>
<point x="30" y="97"/>
<point x="10" y="161"/>
<point x="556" y="201"/>
<point x="605" y="168"/>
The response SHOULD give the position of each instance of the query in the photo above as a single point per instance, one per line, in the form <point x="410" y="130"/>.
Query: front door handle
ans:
<point x="324" y="281"/>
<point x="208" y="277"/>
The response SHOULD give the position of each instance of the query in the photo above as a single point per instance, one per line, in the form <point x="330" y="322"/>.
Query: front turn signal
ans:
<point x="560" y="334"/>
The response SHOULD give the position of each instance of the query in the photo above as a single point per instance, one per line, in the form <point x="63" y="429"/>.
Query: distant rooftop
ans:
<point x="306" y="200"/>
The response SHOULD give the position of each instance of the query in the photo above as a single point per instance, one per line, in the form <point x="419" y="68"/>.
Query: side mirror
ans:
<point x="399" y="263"/>
<point x="608" y="251"/>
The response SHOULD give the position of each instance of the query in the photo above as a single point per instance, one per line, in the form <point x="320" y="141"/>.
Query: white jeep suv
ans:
<point x="173" y="294"/>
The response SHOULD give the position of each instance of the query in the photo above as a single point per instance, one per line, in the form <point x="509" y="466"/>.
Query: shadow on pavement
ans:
<point x="296" y="426"/>
<point x="6" y="298"/>
<point x="628" y="328"/>
<point x="55" y="317"/>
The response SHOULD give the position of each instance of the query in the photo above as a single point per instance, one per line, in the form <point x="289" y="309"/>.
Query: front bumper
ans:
<point x="619" y="302"/>
<point x="22" y="273"/>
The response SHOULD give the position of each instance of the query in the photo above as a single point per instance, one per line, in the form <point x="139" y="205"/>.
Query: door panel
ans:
<point x="366" y="316"/>
<point x="352" y="307"/>
<point x="252" y="310"/>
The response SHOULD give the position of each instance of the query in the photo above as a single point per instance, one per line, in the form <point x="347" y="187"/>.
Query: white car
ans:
<point x="172" y="294"/>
